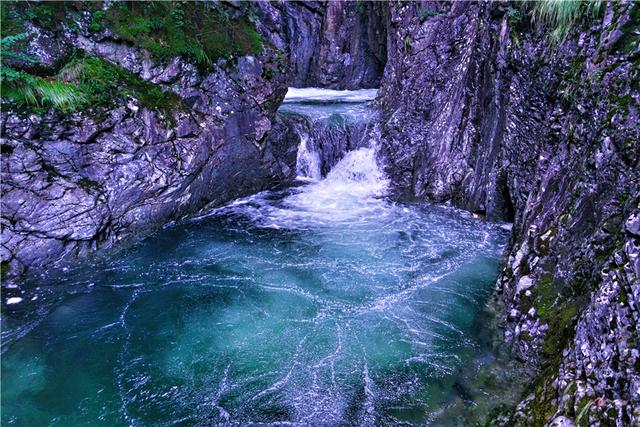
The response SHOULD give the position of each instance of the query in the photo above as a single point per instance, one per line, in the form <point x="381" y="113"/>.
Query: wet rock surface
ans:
<point x="337" y="45"/>
<point x="75" y="183"/>
<point x="503" y="122"/>
<point x="328" y="140"/>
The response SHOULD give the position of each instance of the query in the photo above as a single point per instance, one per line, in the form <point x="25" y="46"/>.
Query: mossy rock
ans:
<point x="198" y="31"/>
<point x="87" y="82"/>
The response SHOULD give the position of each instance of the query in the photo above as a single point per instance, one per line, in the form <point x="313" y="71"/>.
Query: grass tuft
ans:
<point x="83" y="82"/>
<point x="99" y="80"/>
<point x="24" y="88"/>
<point x="562" y="15"/>
<point x="40" y="92"/>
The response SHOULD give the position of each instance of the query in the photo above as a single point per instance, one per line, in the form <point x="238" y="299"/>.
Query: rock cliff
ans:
<point x="75" y="182"/>
<point x="72" y="183"/>
<point x="337" y="45"/>
<point x="482" y="110"/>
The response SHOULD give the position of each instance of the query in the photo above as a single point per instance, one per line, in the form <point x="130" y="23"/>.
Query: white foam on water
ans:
<point x="356" y="308"/>
<point x="314" y="94"/>
<point x="353" y="192"/>
<point x="352" y="189"/>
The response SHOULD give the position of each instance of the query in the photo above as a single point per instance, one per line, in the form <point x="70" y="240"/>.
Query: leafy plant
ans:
<point x="8" y="47"/>
<point x="40" y="92"/>
<point x="97" y="19"/>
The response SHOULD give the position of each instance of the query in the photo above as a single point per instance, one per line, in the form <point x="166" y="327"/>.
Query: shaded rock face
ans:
<point x="337" y="45"/>
<point x="441" y="97"/>
<point x="546" y="136"/>
<point x="75" y="183"/>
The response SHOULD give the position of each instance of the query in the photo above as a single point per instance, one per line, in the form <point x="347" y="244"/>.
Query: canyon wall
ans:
<point x="483" y="110"/>
<point x="337" y="45"/>
<point x="76" y="182"/>
<point x="479" y="108"/>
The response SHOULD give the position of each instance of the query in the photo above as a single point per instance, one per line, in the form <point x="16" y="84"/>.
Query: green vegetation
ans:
<point x="24" y="88"/>
<point x="98" y="80"/>
<point x="4" y="269"/>
<point x="50" y="15"/>
<point x="514" y="16"/>
<point x="199" y="32"/>
<point x="82" y="82"/>
<point x="562" y="15"/>
<point x="407" y="41"/>
<point x="427" y="13"/>
<point x="196" y="31"/>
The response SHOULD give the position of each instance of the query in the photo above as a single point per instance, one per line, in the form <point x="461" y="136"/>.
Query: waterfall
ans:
<point x="323" y="303"/>
<point x="329" y="124"/>
<point x="308" y="160"/>
<point x="337" y="154"/>
<point x="352" y="189"/>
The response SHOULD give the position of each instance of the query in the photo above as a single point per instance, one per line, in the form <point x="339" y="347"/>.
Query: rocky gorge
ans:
<point x="479" y="107"/>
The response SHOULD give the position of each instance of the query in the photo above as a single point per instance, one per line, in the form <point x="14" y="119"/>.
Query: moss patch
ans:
<point x="201" y="32"/>
<point x="4" y="269"/>
<point x="99" y="80"/>
<point x="198" y="31"/>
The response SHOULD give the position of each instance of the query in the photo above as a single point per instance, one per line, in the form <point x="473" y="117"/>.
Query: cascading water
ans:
<point x="329" y="123"/>
<point x="325" y="304"/>
<point x="308" y="160"/>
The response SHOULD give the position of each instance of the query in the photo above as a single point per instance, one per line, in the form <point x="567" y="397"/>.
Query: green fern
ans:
<point x="9" y="43"/>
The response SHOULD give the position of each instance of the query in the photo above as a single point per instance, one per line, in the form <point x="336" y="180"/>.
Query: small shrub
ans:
<point x="97" y="19"/>
<point x="10" y="48"/>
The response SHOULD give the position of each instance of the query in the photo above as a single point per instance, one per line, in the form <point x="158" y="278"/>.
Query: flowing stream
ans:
<point x="326" y="303"/>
